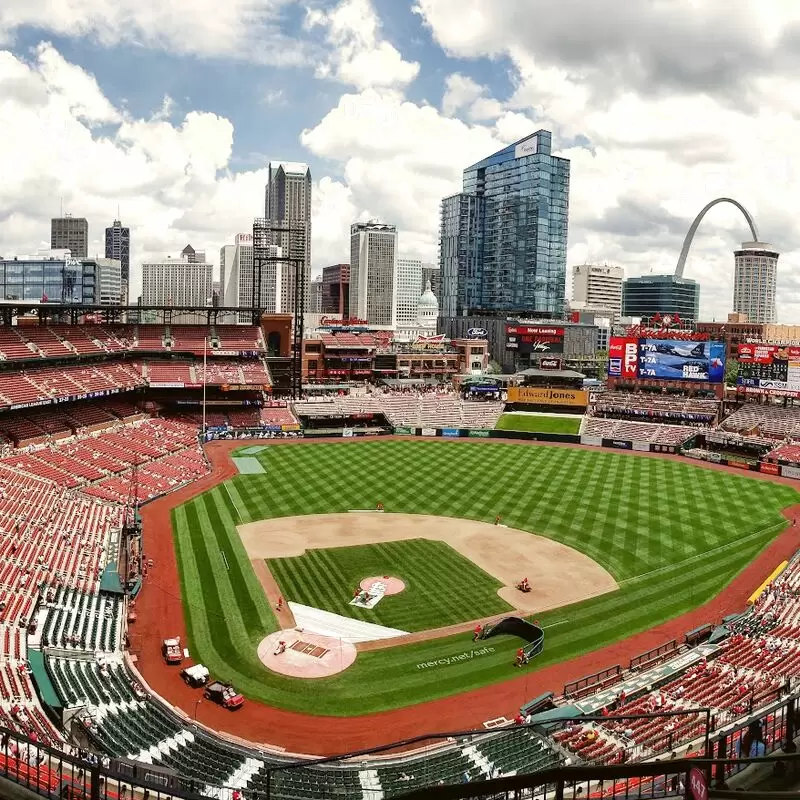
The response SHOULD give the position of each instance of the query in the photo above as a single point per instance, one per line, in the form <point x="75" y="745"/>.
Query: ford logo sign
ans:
<point x="477" y="332"/>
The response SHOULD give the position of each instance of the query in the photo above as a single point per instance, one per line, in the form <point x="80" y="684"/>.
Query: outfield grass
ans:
<point x="672" y="534"/>
<point x="539" y="423"/>
<point x="326" y="578"/>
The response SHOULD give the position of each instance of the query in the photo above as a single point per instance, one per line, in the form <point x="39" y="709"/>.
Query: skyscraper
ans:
<point x="236" y="276"/>
<point x="754" y="281"/>
<point x="118" y="246"/>
<point x="336" y="290"/>
<point x="598" y="287"/>
<point x="649" y="295"/>
<point x="373" y="272"/>
<point x="409" y="278"/>
<point x="288" y="203"/>
<point x="314" y="305"/>
<point x="503" y="239"/>
<point x="177" y="282"/>
<point x="70" y="233"/>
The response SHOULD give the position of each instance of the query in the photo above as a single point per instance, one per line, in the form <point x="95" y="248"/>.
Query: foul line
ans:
<point x="225" y="559"/>
<point x="698" y="556"/>
<point x="230" y="497"/>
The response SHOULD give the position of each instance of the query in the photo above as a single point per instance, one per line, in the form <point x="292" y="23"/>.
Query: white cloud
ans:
<point x="645" y="157"/>
<point x="464" y="94"/>
<point x="358" y="55"/>
<point x="246" y="29"/>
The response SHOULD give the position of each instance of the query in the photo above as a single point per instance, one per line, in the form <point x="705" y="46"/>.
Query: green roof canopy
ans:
<point x="47" y="692"/>
<point x="110" y="582"/>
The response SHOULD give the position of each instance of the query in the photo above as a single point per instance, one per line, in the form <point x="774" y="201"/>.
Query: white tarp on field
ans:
<point x="349" y="630"/>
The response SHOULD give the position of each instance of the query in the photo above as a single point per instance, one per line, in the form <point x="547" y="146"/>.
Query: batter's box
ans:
<point x="308" y="649"/>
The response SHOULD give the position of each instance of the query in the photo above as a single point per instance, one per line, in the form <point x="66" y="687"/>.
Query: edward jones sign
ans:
<point x="548" y="397"/>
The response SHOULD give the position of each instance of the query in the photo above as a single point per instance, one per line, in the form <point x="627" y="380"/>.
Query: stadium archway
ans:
<point x="687" y="242"/>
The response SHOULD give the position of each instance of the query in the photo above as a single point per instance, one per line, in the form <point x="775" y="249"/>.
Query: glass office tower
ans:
<point x="503" y="240"/>
<point x="649" y="295"/>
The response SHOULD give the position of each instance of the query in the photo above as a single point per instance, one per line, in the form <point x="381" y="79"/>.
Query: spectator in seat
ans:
<point x="752" y="744"/>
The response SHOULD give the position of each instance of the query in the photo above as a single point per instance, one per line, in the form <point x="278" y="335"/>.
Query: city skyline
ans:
<point x="396" y="108"/>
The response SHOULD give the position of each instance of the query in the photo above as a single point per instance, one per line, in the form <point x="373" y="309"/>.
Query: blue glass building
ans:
<point x="649" y="295"/>
<point x="503" y="240"/>
<point x="61" y="279"/>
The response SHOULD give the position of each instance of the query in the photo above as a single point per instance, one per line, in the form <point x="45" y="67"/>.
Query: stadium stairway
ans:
<point x="479" y="760"/>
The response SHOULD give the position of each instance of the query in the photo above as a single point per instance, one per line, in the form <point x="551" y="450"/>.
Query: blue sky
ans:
<point x="260" y="100"/>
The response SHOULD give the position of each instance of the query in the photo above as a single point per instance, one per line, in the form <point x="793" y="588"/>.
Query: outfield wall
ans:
<point x="766" y="467"/>
<point x="471" y="433"/>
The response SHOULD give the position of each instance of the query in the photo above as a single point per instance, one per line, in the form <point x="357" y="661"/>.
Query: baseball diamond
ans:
<point x="670" y="534"/>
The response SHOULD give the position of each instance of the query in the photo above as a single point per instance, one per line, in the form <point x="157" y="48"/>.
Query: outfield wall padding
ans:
<point x="774" y="574"/>
<point x="463" y="433"/>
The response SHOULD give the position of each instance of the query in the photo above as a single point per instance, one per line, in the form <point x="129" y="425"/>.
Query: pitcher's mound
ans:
<point x="393" y="585"/>
<point x="307" y="655"/>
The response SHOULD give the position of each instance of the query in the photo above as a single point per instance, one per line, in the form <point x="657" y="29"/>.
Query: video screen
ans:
<point x="672" y="359"/>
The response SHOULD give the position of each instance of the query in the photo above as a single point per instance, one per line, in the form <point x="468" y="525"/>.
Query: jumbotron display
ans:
<point x="666" y="359"/>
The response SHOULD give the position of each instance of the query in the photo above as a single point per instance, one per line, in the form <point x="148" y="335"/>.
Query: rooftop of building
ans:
<point x="538" y="143"/>
<point x="291" y="167"/>
<point x="666" y="278"/>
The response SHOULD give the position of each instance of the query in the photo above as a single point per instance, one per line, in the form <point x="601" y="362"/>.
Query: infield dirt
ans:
<point x="559" y="575"/>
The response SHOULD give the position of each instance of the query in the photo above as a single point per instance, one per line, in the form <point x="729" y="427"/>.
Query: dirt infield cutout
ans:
<point x="304" y="654"/>
<point x="559" y="575"/>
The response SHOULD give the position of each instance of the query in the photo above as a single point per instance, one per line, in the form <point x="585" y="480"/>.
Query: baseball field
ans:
<point x="669" y="534"/>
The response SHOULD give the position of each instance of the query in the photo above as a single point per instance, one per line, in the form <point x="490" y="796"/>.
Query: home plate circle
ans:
<point x="391" y="585"/>
<point x="302" y="654"/>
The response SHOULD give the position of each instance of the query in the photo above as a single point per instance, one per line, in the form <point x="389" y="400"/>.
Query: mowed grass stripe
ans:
<point x="442" y="587"/>
<point x="698" y="528"/>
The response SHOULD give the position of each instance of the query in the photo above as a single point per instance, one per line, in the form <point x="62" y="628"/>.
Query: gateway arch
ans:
<point x="687" y="242"/>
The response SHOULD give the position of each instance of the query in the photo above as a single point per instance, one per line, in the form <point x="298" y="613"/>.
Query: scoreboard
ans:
<point x="774" y="371"/>
<point x="769" y="369"/>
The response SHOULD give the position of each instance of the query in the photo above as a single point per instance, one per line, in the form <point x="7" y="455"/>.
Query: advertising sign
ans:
<point x="550" y="363"/>
<point x="672" y="359"/>
<point x="477" y="333"/>
<point x="769" y="468"/>
<point x="534" y="339"/>
<point x="347" y="322"/>
<point x="618" y="444"/>
<point x="623" y="357"/>
<point x="530" y="147"/>
<point x="452" y="432"/>
<point x="769" y="369"/>
<point x="436" y="342"/>
<point x="428" y="431"/>
<point x="548" y="397"/>
<point x="790" y="472"/>
<point x="479" y="434"/>
<point x="404" y="431"/>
